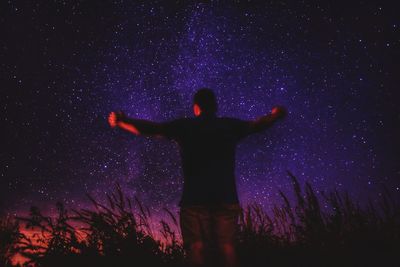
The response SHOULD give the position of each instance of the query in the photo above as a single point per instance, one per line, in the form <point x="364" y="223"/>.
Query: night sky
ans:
<point x="64" y="65"/>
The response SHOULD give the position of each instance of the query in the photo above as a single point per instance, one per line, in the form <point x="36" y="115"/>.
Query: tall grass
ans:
<point x="297" y="232"/>
<point x="114" y="234"/>
<point x="9" y="238"/>
<point x="303" y="234"/>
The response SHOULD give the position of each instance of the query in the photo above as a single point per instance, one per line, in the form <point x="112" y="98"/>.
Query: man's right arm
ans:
<point x="135" y="126"/>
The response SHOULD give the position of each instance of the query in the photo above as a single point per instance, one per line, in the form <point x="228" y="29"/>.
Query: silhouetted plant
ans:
<point x="55" y="239"/>
<point x="9" y="238"/>
<point x="297" y="232"/>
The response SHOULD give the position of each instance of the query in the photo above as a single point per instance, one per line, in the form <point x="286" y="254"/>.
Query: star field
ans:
<point x="66" y="64"/>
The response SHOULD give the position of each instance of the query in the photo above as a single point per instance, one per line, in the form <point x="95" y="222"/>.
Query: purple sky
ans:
<point x="66" y="65"/>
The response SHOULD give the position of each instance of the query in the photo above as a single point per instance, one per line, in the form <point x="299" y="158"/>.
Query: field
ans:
<point x="293" y="233"/>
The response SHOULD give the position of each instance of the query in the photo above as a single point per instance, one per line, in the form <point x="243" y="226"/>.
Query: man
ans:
<point x="209" y="204"/>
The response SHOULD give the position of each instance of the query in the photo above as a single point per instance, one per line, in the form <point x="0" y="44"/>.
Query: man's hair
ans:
<point x="206" y="100"/>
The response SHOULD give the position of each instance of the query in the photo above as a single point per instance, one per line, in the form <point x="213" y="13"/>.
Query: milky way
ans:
<point x="66" y="65"/>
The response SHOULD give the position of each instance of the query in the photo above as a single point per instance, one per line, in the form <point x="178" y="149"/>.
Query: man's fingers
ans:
<point x="112" y="119"/>
<point x="115" y="117"/>
<point x="279" y="111"/>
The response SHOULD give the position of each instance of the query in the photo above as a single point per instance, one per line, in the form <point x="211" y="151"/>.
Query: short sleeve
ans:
<point x="174" y="129"/>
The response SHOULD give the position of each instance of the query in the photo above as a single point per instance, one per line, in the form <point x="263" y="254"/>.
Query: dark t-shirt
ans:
<point x="207" y="146"/>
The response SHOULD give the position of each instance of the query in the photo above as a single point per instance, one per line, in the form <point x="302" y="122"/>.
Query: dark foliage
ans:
<point x="9" y="238"/>
<point x="292" y="234"/>
<point x="303" y="234"/>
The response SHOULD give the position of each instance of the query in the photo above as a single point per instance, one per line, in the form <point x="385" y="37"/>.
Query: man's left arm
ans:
<point x="268" y="120"/>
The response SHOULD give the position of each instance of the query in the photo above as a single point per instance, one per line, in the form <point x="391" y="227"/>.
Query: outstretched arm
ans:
<point x="135" y="126"/>
<point x="266" y="121"/>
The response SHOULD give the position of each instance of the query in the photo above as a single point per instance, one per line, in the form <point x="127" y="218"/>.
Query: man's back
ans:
<point x="208" y="159"/>
<point x="207" y="146"/>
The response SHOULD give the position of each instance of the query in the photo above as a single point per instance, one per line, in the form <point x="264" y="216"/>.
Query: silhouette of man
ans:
<point x="209" y="207"/>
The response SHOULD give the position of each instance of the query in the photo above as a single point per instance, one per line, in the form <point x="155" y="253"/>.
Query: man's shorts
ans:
<point x="216" y="225"/>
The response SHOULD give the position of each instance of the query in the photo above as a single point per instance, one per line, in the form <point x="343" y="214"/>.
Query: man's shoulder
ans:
<point x="182" y="119"/>
<point x="179" y="122"/>
<point x="194" y="121"/>
<point x="175" y="128"/>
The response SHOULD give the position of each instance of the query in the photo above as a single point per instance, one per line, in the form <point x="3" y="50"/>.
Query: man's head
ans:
<point x="204" y="102"/>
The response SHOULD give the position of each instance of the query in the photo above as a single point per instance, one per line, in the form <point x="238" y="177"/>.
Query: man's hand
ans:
<point x="135" y="126"/>
<point x="114" y="118"/>
<point x="267" y="120"/>
<point x="279" y="112"/>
